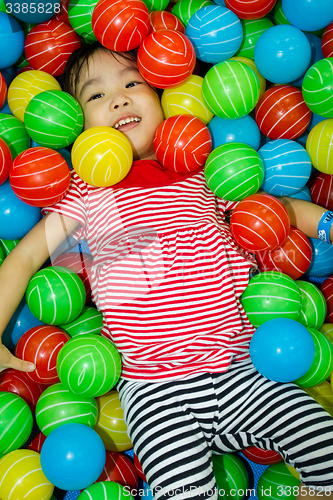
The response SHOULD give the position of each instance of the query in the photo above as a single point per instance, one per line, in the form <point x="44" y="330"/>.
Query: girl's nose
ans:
<point x="117" y="105"/>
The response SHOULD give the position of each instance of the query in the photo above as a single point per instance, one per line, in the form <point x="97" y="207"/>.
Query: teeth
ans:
<point x="128" y="120"/>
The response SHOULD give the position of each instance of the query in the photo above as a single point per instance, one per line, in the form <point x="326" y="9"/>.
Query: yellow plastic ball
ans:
<point x="110" y="425"/>
<point x="323" y="394"/>
<point x="102" y="156"/>
<point x="186" y="99"/>
<point x="21" y="477"/>
<point x="27" y="85"/>
<point x="319" y="145"/>
<point x="293" y="471"/>
<point x="250" y="62"/>
<point x="327" y="330"/>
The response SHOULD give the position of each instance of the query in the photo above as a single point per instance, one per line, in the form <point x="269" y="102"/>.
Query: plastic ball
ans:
<point x="120" y="25"/>
<point x="287" y="167"/>
<point x="120" y="469"/>
<point x="80" y="15"/>
<point x="271" y="295"/>
<point x="292" y="258"/>
<point x="102" y="156"/>
<point x="276" y="482"/>
<point x="230" y="89"/>
<point x="302" y="194"/>
<point x="317" y="87"/>
<point x="321" y="189"/>
<point x="323" y="394"/>
<point x="186" y="99"/>
<point x="249" y="62"/>
<point x="163" y="20"/>
<point x="313" y="305"/>
<point x="322" y="258"/>
<point x="234" y="171"/>
<point x="322" y="365"/>
<point x="89" y="321"/>
<point x="16" y="422"/>
<point x="48" y="46"/>
<point x="20" y="322"/>
<point x="110" y="424"/>
<point x="185" y="9"/>
<point x="139" y="468"/>
<point x="319" y="145"/>
<point x="80" y="263"/>
<point x="252" y="31"/>
<point x="244" y="130"/>
<point x="89" y="365"/>
<point x="308" y="15"/>
<point x="215" y="32"/>
<point x="281" y="113"/>
<point x="16" y="217"/>
<point x="282" y="54"/>
<point x="11" y="40"/>
<point x="55" y="295"/>
<point x="58" y="406"/>
<point x="37" y="442"/>
<point x="254" y="9"/>
<point x="326" y="289"/>
<point x="5" y="161"/>
<point x="156" y="5"/>
<point x="327" y="41"/>
<point x="282" y="350"/>
<point x="16" y="382"/>
<point x="263" y="457"/>
<point x="105" y="489"/>
<point x="316" y="55"/>
<point x="21" y="476"/>
<point x="72" y="456"/>
<point x="13" y="132"/>
<point x="327" y="330"/>
<point x="231" y="476"/>
<point x="40" y="177"/>
<point x="3" y="90"/>
<point x="41" y="345"/>
<point x="259" y="223"/>
<point x="182" y="143"/>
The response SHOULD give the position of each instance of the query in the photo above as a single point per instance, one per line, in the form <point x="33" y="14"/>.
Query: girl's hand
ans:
<point x="7" y="360"/>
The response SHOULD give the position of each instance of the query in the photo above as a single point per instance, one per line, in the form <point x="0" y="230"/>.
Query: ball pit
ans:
<point x="16" y="382"/>
<point x="244" y="130"/>
<point x="120" y="469"/>
<point x="249" y="62"/>
<point x="252" y="31"/>
<point x="16" y="422"/>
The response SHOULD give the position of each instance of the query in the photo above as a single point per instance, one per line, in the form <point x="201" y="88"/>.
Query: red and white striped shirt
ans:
<point x="167" y="274"/>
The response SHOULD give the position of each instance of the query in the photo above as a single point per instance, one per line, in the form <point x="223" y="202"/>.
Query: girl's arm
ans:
<point x="19" y="267"/>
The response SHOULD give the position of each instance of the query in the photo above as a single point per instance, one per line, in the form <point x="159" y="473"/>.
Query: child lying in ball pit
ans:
<point x="168" y="277"/>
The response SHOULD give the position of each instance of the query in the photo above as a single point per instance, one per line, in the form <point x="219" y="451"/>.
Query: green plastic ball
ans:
<point x="271" y="295"/>
<point x="16" y="422"/>
<point x="234" y="171"/>
<point x="14" y="133"/>
<point x="80" y="15"/>
<point x="279" y="17"/>
<point x="8" y="245"/>
<point x="277" y="482"/>
<point x="252" y="31"/>
<point x="317" y="87"/>
<point x="231" y="476"/>
<point x="104" y="490"/>
<point x="2" y="255"/>
<point x="89" y="365"/>
<point x="184" y="9"/>
<point x="57" y="406"/>
<point x="53" y="119"/>
<point x="313" y="305"/>
<point x="322" y="365"/>
<point x="90" y="320"/>
<point x="231" y="89"/>
<point x="156" y="4"/>
<point x="55" y="295"/>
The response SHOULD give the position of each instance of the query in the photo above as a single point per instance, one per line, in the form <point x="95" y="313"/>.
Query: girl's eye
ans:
<point x="95" y="96"/>
<point x="131" y="84"/>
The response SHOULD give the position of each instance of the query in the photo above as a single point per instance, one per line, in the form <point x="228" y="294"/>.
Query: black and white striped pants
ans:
<point x="175" y="427"/>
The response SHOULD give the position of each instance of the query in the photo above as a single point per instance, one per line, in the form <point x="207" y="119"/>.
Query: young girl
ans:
<point x="168" y="276"/>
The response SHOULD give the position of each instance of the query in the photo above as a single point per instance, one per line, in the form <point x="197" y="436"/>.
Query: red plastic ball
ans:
<point x="120" y="25"/>
<point x="253" y="9"/>
<point x="327" y="41"/>
<point x="39" y="176"/>
<point x="139" y="468"/>
<point x="263" y="457"/>
<point x="37" y="442"/>
<point x="16" y="382"/>
<point x="259" y="223"/>
<point x="321" y="190"/>
<point x="326" y="289"/>
<point x="5" y="161"/>
<point x="166" y="58"/>
<point x="81" y="264"/>
<point x="48" y="46"/>
<point x="293" y="258"/>
<point x="63" y="14"/>
<point x="3" y="90"/>
<point x="163" y="20"/>
<point x="281" y="113"/>
<point x="182" y="143"/>
<point x="120" y="469"/>
<point x="41" y="345"/>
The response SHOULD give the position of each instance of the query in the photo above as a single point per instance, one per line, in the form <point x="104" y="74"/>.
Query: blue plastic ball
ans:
<point x="16" y="217"/>
<point x="282" y="54"/>
<point x="308" y="15"/>
<point x="73" y="456"/>
<point x="29" y="11"/>
<point x="302" y="194"/>
<point x="244" y="130"/>
<point x="287" y="167"/>
<point x="316" y="55"/>
<point x="282" y="350"/>
<point x="216" y="33"/>
<point x="11" y="40"/>
<point x="322" y="258"/>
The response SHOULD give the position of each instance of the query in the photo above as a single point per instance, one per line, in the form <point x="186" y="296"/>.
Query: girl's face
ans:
<point x="113" y="93"/>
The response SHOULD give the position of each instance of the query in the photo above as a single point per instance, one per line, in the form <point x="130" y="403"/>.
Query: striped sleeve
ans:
<point x="226" y="206"/>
